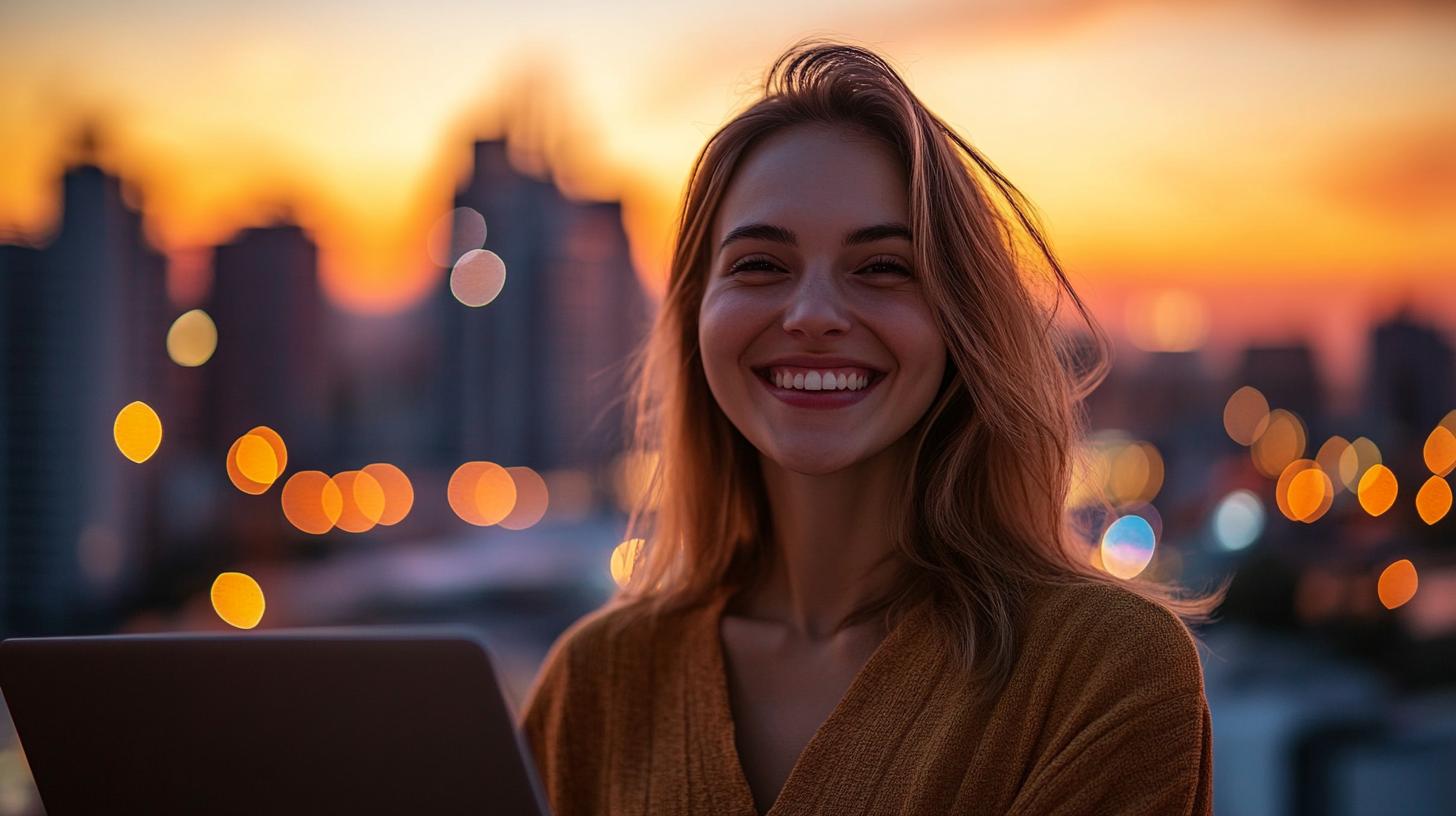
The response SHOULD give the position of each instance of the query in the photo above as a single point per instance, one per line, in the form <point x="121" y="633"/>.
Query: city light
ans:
<point x="1246" y="415"/>
<point x="1304" y="491"/>
<point x="363" y="501"/>
<point x="1440" y="450"/>
<point x="481" y="493"/>
<point x="624" y="559"/>
<point x="1238" y="520"/>
<point x="399" y="494"/>
<point x="192" y="339"/>
<point x="137" y="431"/>
<point x="312" y="502"/>
<point x="1398" y="583"/>
<point x="1433" y="500"/>
<point x="477" y="277"/>
<point x="1377" y="489"/>
<point x="531" y="499"/>
<point x="1282" y="442"/>
<point x="1127" y="546"/>
<point x="454" y="234"/>
<point x="238" y="599"/>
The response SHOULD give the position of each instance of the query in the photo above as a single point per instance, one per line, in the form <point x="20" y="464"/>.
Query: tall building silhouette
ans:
<point x="82" y="335"/>
<point x="273" y="366"/>
<point x="537" y="377"/>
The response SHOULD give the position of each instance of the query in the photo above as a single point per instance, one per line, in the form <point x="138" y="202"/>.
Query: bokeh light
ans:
<point x="1135" y="473"/>
<point x="1238" y="520"/>
<point x="624" y="559"/>
<point x="238" y="599"/>
<point x="477" y="277"/>
<point x="1282" y="442"/>
<point x="192" y="339"/>
<point x="1330" y="458"/>
<point x="1433" y="500"/>
<point x="481" y="493"/>
<point x="399" y="493"/>
<point x="1167" y="320"/>
<point x="1377" y="489"/>
<point x="235" y="473"/>
<point x="1127" y="546"/>
<point x="363" y="501"/>
<point x="256" y="459"/>
<point x="1440" y="450"/>
<point x="1246" y="415"/>
<point x="1304" y="491"/>
<point x="1398" y="583"/>
<point x="531" y="499"/>
<point x="1356" y="461"/>
<point x="454" y="234"/>
<point x="312" y="502"/>
<point x="137" y="431"/>
<point x="495" y="493"/>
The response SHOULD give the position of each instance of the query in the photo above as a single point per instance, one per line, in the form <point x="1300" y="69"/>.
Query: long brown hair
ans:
<point x="983" y="518"/>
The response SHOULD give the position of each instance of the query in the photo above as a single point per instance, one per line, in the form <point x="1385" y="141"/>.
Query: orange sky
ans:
<point x="1212" y="147"/>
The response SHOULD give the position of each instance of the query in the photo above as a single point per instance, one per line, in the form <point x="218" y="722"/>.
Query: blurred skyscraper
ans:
<point x="82" y="335"/>
<point x="537" y="377"/>
<point x="272" y="367"/>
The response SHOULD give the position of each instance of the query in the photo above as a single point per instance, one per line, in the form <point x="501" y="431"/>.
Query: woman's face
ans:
<point x="816" y="337"/>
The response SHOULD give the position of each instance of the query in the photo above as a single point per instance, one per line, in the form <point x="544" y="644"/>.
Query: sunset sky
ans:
<point x="1291" y="165"/>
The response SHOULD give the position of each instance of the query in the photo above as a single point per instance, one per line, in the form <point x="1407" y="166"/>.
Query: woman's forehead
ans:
<point x="815" y="181"/>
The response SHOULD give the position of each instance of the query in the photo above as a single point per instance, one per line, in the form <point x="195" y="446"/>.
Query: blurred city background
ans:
<point x="372" y="271"/>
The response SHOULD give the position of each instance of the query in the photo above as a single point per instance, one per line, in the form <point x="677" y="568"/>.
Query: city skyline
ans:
<point x="1277" y="152"/>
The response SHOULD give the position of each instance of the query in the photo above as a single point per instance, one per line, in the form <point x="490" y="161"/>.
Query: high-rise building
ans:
<point x="83" y="335"/>
<point x="537" y="377"/>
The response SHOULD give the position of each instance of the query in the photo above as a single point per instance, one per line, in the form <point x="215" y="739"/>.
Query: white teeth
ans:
<point x="819" y="380"/>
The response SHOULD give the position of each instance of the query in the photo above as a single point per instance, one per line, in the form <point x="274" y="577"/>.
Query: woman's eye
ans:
<point x="885" y="266"/>
<point x="752" y="265"/>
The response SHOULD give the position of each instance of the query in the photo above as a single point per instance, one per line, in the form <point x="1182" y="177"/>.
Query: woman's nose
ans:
<point x="816" y="306"/>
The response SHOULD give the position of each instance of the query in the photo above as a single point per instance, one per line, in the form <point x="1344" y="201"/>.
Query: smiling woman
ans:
<point x="858" y="592"/>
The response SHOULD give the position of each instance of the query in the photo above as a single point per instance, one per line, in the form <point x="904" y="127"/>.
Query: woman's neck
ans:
<point x="832" y="545"/>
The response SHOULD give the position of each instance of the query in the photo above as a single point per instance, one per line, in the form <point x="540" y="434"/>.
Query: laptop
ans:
<point x="311" y="721"/>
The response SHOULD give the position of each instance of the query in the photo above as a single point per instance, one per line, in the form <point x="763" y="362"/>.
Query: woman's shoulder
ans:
<point x="1107" y="634"/>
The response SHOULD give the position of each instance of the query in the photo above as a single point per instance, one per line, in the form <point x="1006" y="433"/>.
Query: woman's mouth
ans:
<point x="819" y="387"/>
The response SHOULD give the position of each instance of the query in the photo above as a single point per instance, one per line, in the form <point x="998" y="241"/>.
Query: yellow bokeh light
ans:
<point x="1169" y="320"/>
<point x="1331" y="458"/>
<point x="1433" y="500"/>
<point x="1246" y="415"/>
<point x="1356" y="460"/>
<point x="1282" y="442"/>
<point x="1135" y="474"/>
<point x="1440" y="450"/>
<point x="363" y="501"/>
<point x="312" y="502"/>
<point x="478" y="277"/>
<point x="531" y="499"/>
<point x="192" y="339"/>
<point x="495" y="493"/>
<point x="235" y="473"/>
<point x="460" y="493"/>
<point x="624" y="559"/>
<point x="399" y="494"/>
<point x="137" y="431"/>
<point x="256" y="459"/>
<point x="238" y="599"/>
<point x="1377" y="489"/>
<point x="280" y="450"/>
<point x="1310" y="494"/>
<point x="1398" y="583"/>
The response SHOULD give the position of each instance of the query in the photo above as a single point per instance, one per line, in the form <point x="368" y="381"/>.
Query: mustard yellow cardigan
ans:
<point x="1104" y="714"/>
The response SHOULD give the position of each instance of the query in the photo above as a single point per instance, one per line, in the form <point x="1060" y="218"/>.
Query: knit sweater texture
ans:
<point x="1104" y="714"/>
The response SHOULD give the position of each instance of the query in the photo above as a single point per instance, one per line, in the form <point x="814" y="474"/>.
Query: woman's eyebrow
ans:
<point x="783" y="235"/>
